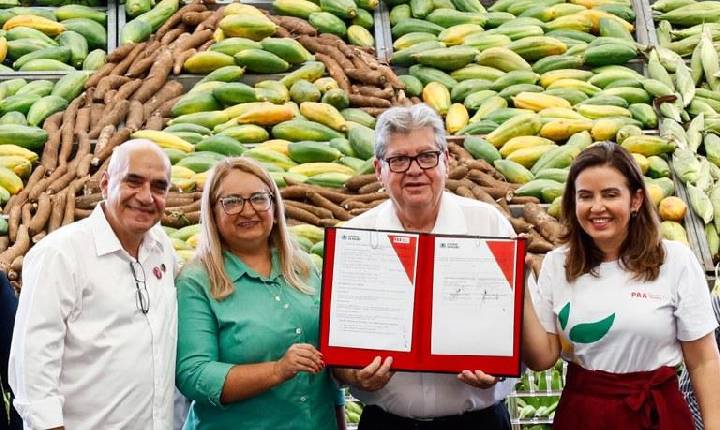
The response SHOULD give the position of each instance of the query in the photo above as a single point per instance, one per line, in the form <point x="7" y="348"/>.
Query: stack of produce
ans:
<point x="24" y="106"/>
<point x="479" y="99"/>
<point x="125" y="95"/>
<point x="48" y="3"/>
<point x="545" y="179"/>
<point x="689" y="102"/>
<point x="470" y="56"/>
<point x="566" y="31"/>
<point x="149" y="20"/>
<point x="268" y="47"/>
<point x="59" y="39"/>
<point x="131" y="95"/>
<point x="353" y="410"/>
<point x="350" y="20"/>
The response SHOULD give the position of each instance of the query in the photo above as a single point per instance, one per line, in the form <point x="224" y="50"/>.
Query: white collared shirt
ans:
<point x="425" y="395"/>
<point x="83" y="354"/>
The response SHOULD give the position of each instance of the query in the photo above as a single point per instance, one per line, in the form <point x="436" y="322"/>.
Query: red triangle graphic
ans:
<point x="404" y="247"/>
<point x="504" y="253"/>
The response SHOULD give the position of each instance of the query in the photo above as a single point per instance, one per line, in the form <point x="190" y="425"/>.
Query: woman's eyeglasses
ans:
<point x="234" y="204"/>
<point x="142" y="300"/>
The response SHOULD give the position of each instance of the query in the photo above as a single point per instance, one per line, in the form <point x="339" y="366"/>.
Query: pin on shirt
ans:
<point x="158" y="272"/>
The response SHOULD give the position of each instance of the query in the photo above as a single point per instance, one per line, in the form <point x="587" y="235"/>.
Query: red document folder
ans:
<point x="510" y="257"/>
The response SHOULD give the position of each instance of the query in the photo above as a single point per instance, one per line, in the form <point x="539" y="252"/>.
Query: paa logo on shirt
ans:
<point x="644" y="296"/>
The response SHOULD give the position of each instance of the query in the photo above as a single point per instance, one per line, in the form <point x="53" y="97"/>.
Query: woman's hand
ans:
<point x="300" y="357"/>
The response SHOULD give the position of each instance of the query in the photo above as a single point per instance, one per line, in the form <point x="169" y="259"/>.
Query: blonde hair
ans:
<point x="295" y="264"/>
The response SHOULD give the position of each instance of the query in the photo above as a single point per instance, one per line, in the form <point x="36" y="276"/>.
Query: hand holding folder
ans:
<point x="432" y="302"/>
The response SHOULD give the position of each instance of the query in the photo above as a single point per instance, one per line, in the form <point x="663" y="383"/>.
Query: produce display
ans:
<point x="59" y="39"/>
<point x="690" y="102"/>
<point x="536" y="396"/>
<point x="263" y="43"/>
<point x="351" y="20"/>
<point x="353" y="410"/>
<point x="468" y="62"/>
<point x="148" y="19"/>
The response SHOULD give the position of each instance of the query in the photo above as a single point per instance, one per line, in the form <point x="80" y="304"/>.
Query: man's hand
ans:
<point x="478" y="378"/>
<point x="375" y="375"/>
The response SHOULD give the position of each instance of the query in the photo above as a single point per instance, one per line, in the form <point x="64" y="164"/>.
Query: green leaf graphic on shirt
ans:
<point x="591" y="332"/>
<point x="564" y="315"/>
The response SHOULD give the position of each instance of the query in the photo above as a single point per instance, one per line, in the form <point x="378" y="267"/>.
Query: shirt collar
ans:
<point x="450" y="218"/>
<point x="107" y="242"/>
<point x="235" y="268"/>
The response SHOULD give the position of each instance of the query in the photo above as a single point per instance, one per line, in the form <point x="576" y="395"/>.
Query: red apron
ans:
<point x="598" y="400"/>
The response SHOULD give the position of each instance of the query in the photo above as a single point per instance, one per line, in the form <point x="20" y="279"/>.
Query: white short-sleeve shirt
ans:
<point x="617" y="324"/>
<point x="424" y="395"/>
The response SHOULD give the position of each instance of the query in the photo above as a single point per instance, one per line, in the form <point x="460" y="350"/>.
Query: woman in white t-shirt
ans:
<point x="622" y="306"/>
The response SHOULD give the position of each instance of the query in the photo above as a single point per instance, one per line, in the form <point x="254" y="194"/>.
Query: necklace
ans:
<point x="277" y="296"/>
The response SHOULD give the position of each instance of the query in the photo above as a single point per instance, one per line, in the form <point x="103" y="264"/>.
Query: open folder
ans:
<point x="435" y="303"/>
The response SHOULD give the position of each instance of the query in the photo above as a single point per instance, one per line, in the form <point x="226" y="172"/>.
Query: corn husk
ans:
<point x="704" y="181"/>
<point x="710" y="62"/>
<point x="672" y="130"/>
<point x="694" y="132"/>
<point x="696" y="64"/>
<point x="684" y="83"/>
<point x="700" y="203"/>
<point x="687" y="166"/>
<point x="714" y="197"/>
<point x="712" y="148"/>
<point x="656" y="71"/>
<point x="713" y="239"/>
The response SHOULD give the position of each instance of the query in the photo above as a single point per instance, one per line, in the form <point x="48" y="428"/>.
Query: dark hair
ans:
<point x="641" y="253"/>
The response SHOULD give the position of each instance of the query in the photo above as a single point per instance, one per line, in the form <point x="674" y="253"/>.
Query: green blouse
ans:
<point x="257" y="323"/>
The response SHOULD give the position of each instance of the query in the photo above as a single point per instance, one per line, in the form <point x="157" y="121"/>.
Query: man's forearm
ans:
<point x="346" y="376"/>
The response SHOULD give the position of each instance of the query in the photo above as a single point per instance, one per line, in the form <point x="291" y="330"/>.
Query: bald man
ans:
<point x="95" y="332"/>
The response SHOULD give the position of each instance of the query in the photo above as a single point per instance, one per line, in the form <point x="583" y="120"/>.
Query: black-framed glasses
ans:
<point x="234" y="204"/>
<point x="401" y="163"/>
<point x="142" y="299"/>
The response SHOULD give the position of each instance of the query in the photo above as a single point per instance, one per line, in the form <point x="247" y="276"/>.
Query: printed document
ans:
<point x="473" y="297"/>
<point x="373" y="290"/>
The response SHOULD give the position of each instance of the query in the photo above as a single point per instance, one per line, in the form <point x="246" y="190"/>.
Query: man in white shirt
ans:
<point x="412" y="163"/>
<point x="95" y="334"/>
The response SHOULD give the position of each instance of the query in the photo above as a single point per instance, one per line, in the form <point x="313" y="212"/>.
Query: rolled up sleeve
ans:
<point x="199" y="374"/>
<point x="48" y="299"/>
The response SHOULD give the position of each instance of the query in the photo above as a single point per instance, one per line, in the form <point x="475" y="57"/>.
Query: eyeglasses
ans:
<point x="401" y="163"/>
<point x="234" y="204"/>
<point x="142" y="300"/>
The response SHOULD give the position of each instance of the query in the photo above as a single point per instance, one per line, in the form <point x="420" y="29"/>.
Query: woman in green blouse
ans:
<point x="248" y="309"/>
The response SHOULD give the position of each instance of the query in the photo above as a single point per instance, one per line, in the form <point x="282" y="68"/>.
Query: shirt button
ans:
<point x="285" y="306"/>
<point x="298" y="330"/>
<point x="303" y="398"/>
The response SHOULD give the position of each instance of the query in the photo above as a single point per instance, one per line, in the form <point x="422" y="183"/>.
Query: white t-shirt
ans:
<point x="614" y="323"/>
